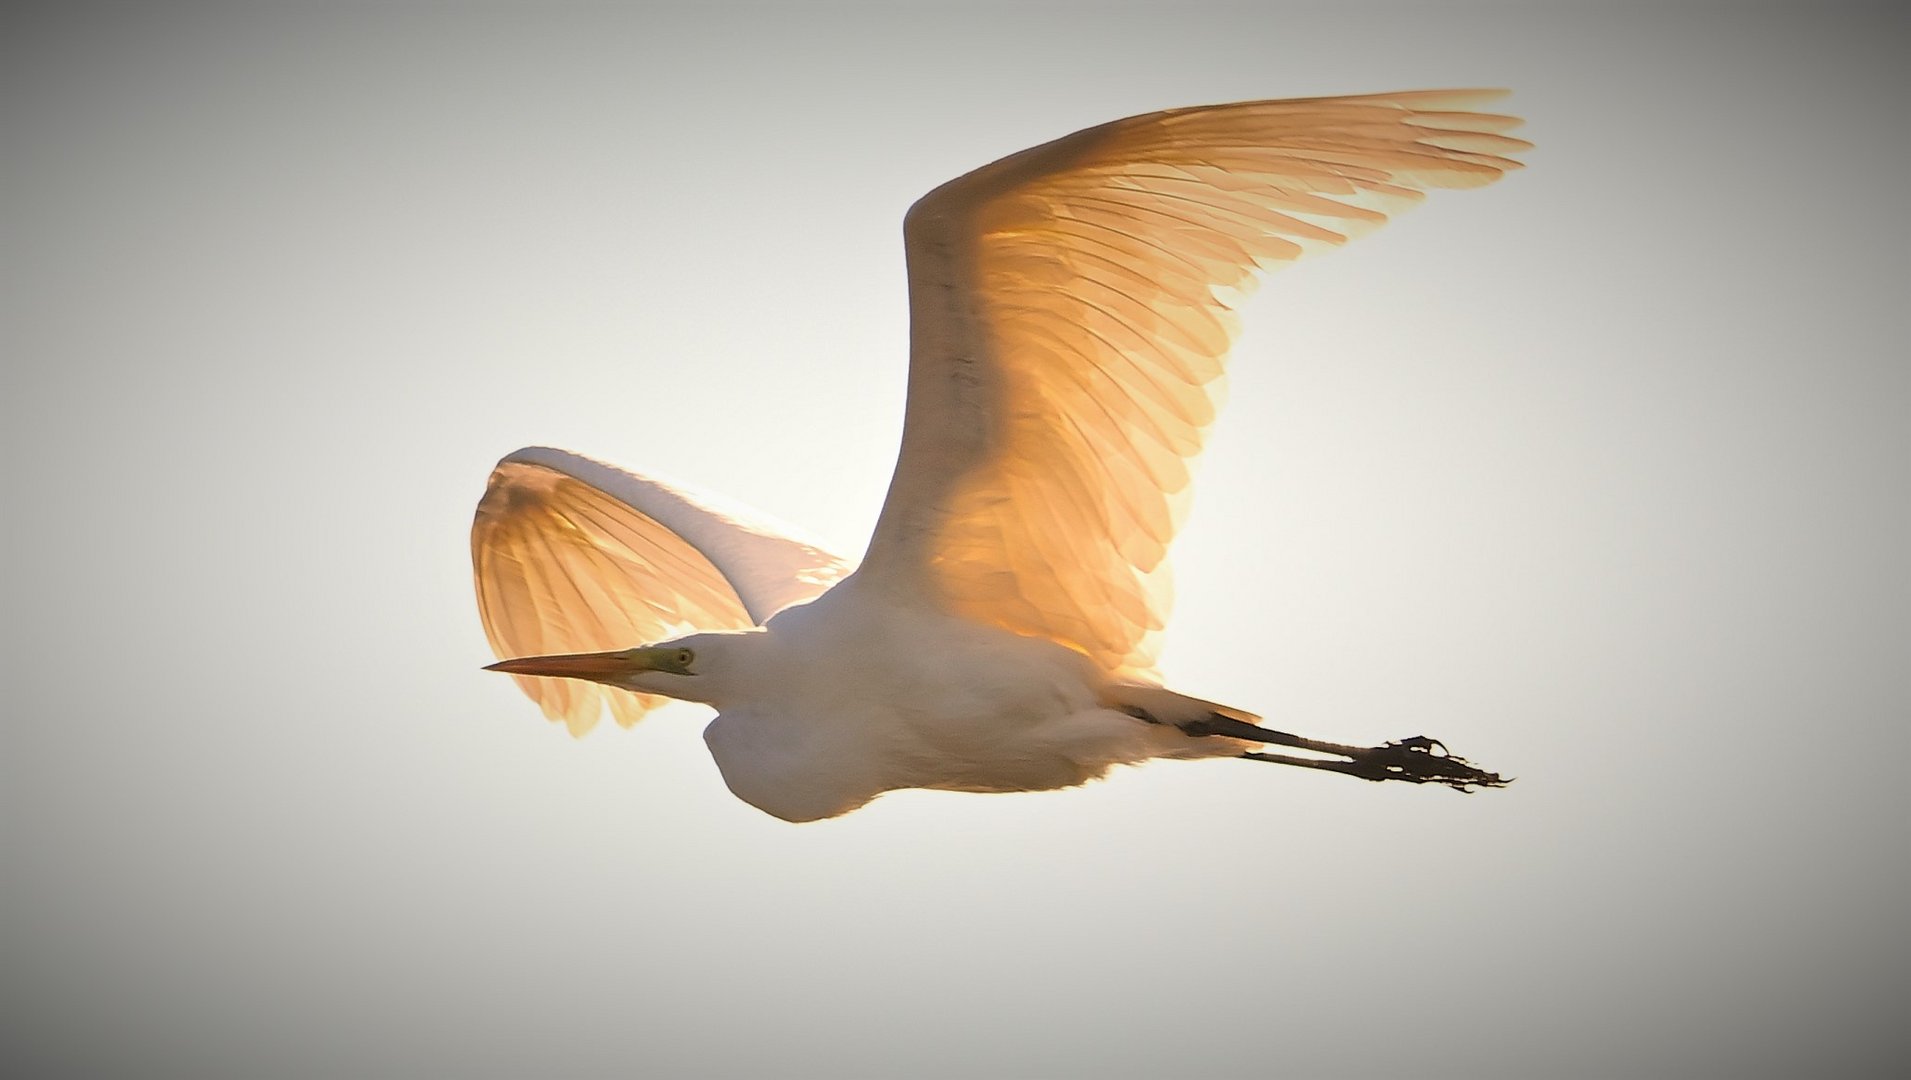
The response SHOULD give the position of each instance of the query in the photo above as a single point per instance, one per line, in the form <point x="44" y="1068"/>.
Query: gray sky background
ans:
<point x="1598" y="474"/>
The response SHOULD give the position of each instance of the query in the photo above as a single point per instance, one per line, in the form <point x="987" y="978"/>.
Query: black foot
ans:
<point x="1421" y="760"/>
<point x="1417" y="759"/>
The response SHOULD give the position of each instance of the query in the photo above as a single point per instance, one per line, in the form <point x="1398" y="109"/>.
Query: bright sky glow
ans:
<point x="1597" y="473"/>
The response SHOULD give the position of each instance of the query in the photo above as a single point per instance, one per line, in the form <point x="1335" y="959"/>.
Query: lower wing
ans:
<point x="571" y="555"/>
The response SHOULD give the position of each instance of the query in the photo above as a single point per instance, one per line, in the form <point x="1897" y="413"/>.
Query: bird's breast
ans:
<point x="855" y="703"/>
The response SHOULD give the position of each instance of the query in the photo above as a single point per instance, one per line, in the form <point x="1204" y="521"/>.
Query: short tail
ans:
<point x="1159" y="705"/>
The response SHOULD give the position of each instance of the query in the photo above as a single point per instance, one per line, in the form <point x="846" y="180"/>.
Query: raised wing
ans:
<point x="1069" y="311"/>
<point x="571" y="555"/>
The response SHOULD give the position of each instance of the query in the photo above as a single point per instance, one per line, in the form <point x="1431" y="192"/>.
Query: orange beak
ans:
<point x="603" y="667"/>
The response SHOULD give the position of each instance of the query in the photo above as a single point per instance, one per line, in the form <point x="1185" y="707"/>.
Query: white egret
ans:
<point x="1069" y="316"/>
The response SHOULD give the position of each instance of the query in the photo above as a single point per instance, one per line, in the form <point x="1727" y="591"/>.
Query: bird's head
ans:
<point x="622" y="668"/>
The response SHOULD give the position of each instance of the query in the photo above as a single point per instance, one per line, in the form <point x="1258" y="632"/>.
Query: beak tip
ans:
<point x="595" y="667"/>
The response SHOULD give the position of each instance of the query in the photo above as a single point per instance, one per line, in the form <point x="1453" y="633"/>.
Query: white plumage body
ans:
<point x="848" y="696"/>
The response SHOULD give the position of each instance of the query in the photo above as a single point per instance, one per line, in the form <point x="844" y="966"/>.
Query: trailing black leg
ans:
<point x="1418" y="760"/>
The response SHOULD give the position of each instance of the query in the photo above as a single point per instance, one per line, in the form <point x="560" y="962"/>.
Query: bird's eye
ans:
<point x="685" y="656"/>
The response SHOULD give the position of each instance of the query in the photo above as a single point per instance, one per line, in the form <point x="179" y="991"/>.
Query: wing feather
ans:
<point x="571" y="555"/>
<point x="1070" y="317"/>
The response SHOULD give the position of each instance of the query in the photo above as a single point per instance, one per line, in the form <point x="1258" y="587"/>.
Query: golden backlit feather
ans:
<point x="1070" y="317"/>
<point x="570" y="555"/>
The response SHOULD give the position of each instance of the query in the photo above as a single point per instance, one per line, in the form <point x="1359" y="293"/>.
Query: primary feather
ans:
<point x="1069" y="319"/>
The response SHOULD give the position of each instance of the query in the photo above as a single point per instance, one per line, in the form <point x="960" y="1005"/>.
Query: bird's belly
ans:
<point x="1025" y="721"/>
<point x="803" y="770"/>
<point x="916" y="701"/>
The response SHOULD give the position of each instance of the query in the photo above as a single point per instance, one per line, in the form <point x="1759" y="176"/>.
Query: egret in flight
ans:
<point x="1069" y="315"/>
